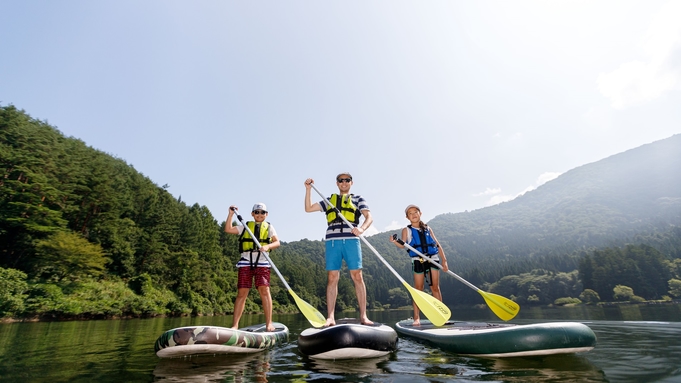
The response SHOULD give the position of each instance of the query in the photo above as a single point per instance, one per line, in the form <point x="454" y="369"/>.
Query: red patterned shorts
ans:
<point x="247" y="274"/>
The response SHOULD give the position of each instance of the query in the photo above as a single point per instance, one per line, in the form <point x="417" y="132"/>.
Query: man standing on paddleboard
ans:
<point x="251" y="266"/>
<point x="342" y="241"/>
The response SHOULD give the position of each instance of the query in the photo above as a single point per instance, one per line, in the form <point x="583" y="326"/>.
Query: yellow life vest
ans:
<point x="347" y="208"/>
<point x="246" y="242"/>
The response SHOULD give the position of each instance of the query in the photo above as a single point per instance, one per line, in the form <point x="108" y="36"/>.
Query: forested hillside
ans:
<point x="83" y="234"/>
<point x="80" y="224"/>
<point x="600" y="204"/>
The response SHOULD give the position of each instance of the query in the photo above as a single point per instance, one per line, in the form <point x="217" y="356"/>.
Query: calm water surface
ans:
<point x="635" y="344"/>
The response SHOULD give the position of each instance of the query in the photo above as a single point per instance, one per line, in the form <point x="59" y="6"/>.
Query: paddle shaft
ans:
<point x="361" y="236"/>
<point x="450" y="272"/>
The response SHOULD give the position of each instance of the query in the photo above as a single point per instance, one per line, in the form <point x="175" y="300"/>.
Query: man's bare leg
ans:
<point x="361" y="291"/>
<point x="331" y="293"/>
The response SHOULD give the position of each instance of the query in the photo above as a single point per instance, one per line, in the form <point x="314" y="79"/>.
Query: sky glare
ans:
<point x="449" y="105"/>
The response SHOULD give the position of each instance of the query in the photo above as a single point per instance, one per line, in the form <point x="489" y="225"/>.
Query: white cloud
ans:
<point x="636" y="82"/>
<point x="598" y="118"/>
<point x="394" y="225"/>
<point x="371" y="230"/>
<point x="488" y="191"/>
<point x="639" y="81"/>
<point x="499" y="198"/>
<point x="546" y="177"/>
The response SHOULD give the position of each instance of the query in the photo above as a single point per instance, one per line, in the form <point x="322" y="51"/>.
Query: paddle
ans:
<point x="432" y="308"/>
<point x="315" y="318"/>
<point x="504" y="308"/>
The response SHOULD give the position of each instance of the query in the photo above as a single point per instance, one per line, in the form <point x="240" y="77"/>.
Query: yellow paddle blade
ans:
<point x="432" y="308"/>
<point x="315" y="318"/>
<point x="504" y="308"/>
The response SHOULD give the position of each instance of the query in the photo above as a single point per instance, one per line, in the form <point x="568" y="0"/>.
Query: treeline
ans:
<point x="642" y="268"/>
<point x="634" y="273"/>
<point x="91" y="236"/>
<point x="85" y="235"/>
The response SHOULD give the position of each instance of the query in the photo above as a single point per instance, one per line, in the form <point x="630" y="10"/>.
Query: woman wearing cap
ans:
<point x="252" y="265"/>
<point x="421" y="237"/>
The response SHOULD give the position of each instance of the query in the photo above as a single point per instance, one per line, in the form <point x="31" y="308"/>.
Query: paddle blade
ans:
<point x="313" y="316"/>
<point x="431" y="307"/>
<point x="504" y="308"/>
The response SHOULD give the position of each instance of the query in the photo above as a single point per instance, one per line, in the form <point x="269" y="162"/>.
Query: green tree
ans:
<point x="398" y="297"/>
<point x="675" y="287"/>
<point x="675" y="267"/>
<point x="589" y="296"/>
<point x="67" y="255"/>
<point x="622" y="293"/>
<point x="642" y="267"/>
<point x="13" y="287"/>
<point x="566" y="301"/>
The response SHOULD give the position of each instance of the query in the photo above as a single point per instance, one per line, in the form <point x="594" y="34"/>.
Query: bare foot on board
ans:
<point x="366" y="321"/>
<point x="416" y="322"/>
<point x="330" y="322"/>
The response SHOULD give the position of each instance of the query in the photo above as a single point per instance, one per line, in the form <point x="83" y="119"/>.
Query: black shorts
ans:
<point x="420" y="266"/>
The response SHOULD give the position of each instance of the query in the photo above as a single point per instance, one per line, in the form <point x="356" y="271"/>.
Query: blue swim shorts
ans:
<point x="338" y="250"/>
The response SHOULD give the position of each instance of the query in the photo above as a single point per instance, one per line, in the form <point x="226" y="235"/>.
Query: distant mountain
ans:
<point x="599" y="204"/>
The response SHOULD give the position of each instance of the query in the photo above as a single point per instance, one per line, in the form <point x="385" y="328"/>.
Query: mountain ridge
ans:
<point x="620" y="195"/>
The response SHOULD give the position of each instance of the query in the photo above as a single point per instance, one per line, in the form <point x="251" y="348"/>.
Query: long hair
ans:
<point x="423" y="225"/>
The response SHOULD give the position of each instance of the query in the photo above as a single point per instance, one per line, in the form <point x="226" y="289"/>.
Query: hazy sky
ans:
<point x="450" y="105"/>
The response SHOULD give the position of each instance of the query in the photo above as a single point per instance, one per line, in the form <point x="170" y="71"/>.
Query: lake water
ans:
<point x="636" y="343"/>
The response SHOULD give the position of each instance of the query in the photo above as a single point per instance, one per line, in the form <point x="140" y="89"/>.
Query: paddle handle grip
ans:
<point x="450" y="272"/>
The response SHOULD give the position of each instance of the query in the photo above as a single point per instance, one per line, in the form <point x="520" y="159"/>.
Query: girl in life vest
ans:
<point x="421" y="237"/>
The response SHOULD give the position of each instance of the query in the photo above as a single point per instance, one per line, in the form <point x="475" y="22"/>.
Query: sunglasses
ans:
<point x="341" y="180"/>
<point x="260" y="212"/>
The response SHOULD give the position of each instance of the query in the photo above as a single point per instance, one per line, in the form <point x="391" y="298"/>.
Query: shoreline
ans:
<point x="55" y="318"/>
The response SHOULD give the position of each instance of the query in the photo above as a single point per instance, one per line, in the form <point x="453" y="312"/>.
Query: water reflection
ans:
<point x="638" y="351"/>
<point x="427" y="364"/>
<point x="635" y="344"/>
<point x="351" y="366"/>
<point x="218" y="368"/>
<point x="552" y="368"/>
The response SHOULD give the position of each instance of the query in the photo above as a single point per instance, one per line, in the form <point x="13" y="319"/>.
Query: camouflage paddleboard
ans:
<point x="195" y="340"/>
